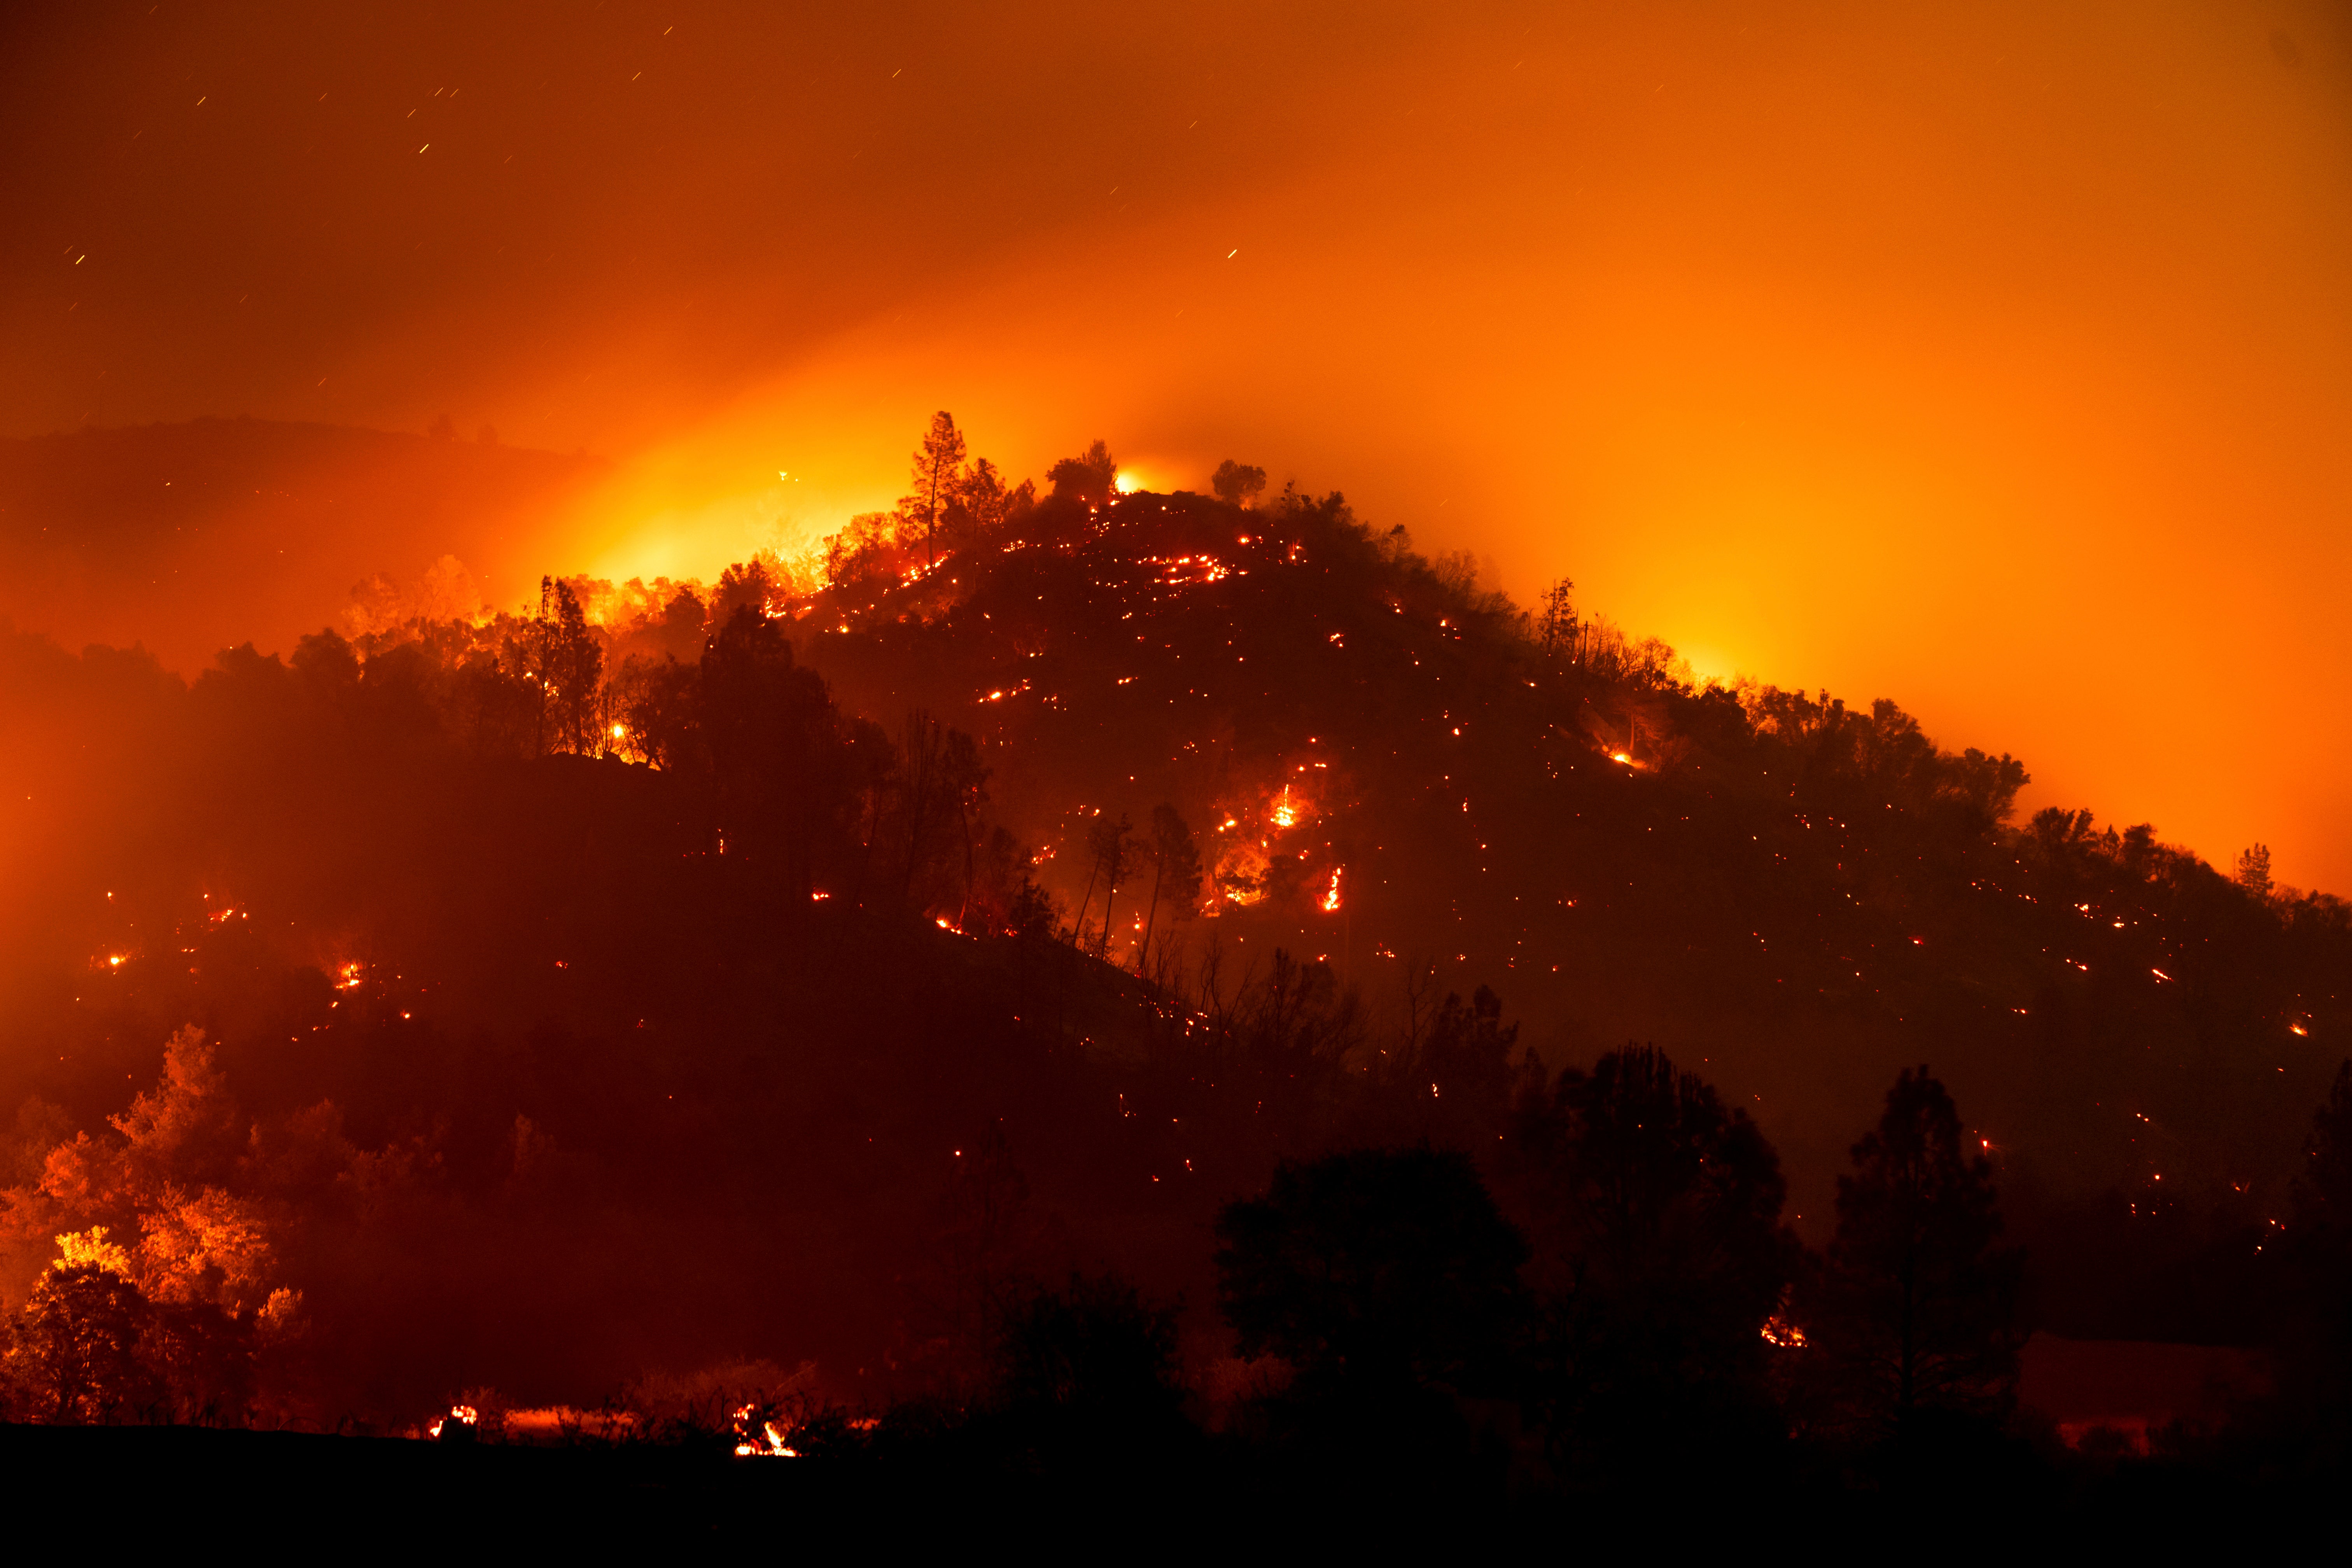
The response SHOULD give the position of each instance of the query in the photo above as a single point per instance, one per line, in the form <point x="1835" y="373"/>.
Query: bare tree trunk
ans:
<point x="1078" y="921"/>
<point x="1151" y="915"/>
<point x="963" y="820"/>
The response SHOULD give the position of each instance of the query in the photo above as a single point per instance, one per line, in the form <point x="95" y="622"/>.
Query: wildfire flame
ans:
<point x="1783" y="1334"/>
<point x="1331" y="896"/>
<point x="766" y="1444"/>
<point x="464" y="1414"/>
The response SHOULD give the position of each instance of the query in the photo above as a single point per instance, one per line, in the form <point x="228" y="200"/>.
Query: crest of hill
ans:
<point x="194" y="537"/>
<point x="1399" y="771"/>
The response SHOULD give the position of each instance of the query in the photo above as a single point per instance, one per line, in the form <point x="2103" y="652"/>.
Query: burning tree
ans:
<point x="164" y="1322"/>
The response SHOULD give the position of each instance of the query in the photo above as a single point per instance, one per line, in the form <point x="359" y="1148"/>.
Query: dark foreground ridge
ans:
<point x="370" y="1493"/>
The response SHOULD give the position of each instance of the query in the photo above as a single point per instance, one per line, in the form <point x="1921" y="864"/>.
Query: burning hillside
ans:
<point x="788" y="964"/>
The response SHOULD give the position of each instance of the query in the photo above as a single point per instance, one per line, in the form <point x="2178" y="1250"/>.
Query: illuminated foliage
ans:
<point x="75" y="1348"/>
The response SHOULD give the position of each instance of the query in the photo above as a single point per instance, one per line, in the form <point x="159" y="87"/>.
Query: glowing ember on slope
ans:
<point x="1783" y="1334"/>
<point x="1331" y="896"/>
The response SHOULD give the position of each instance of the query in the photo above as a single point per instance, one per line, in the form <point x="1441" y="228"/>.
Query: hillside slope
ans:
<point x="1800" y="896"/>
<point x="580" y="997"/>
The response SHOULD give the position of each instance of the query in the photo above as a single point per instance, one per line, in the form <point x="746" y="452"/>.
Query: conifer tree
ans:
<point x="938" y="463"/>
<point x="1917" y="1303"/>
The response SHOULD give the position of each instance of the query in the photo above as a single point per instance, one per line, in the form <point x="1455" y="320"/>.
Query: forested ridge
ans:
<point x="799" y="967"/>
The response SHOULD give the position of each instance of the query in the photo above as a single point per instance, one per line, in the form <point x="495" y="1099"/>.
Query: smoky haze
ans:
<point x="1990" y="358"/>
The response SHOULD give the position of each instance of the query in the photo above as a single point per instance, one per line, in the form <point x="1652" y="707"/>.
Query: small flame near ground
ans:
<point x="464" y="1414"/>
<point x="764" y="1443"/>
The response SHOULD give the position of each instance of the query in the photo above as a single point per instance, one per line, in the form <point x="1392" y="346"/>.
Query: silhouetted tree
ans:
<point x="782" y="771"/>
<point x="936" y="465"/>
<point x="2253" y="871"/>
<point x="745" y="585"/>
<point x="1557" y="623"/>
<point x="568" y="664"/>
<point x="2318" y="1337"/>
<point x="660" y="710"/>
<point x="1088" y="1373"/>
<point x="1655" y="1213"/>
<point x="1915" y="1308"/>
<point x="942" y="783"/>
<point x="1238" y="483"/>
<point x="982" y="502"/>
<point x="201" y="1360"/>
<point x="1175" y="861"/>
<point x="1377" y="1266"/>
<point x="1106" y="837"/>
<point x="1088" y="477"/>
<point x="1462" y="1064"/>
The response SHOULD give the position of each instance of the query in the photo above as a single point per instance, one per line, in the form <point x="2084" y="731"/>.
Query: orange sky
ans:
<point x="1994" y="358"/>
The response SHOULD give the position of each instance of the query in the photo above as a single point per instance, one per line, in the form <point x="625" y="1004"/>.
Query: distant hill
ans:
<point x="194" y="537"/>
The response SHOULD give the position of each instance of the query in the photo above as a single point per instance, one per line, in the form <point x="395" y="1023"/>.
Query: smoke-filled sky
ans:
<point x="1996" y="358"/>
